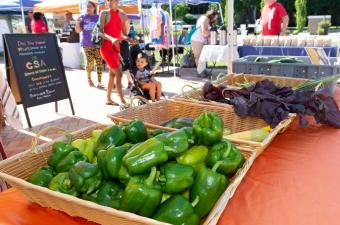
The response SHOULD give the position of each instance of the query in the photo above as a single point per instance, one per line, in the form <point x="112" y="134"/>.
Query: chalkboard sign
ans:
<point x="38" y="68"/>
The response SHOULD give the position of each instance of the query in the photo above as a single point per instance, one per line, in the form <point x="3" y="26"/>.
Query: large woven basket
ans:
<point x="232" y="79"/>
<point x="17" y="168"/>
<point x="156" y="113"/>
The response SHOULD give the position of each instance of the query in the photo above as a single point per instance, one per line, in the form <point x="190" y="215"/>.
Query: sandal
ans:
<point x="110" y="102"/>
<point x="100" y="86"/>
<point x="90" y="83"/>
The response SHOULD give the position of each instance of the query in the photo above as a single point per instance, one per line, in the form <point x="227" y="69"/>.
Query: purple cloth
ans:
<point x="88" y="23"/>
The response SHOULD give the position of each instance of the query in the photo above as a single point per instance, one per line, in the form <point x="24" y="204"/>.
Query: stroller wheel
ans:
<point x="140" y="102"/>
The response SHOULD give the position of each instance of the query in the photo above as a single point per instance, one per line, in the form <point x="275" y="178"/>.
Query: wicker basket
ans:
<point x="17" y="168"/>
<point x="156" y="113"/>
<point x="232" y="79"/>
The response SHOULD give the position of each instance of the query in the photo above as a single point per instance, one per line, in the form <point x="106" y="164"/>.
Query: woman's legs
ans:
<point x="99" y="63"/>
<point x="115" y="73"/>
<point x="152" y="89"/>
<point x="90" y="57"/>
<point x="196" y="49"/>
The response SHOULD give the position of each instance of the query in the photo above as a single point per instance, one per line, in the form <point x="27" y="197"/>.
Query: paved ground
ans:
<point x="89" y="104"/>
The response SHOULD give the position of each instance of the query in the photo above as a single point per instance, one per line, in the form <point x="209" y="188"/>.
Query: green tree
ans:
<point x="261" y="5"/>
<point x="214" y="6"/>
<point x="182" y="10"/>
<point x="301" y="14"/>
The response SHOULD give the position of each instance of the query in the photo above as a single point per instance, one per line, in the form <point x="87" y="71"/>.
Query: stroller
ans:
<point x="136" y="92"/>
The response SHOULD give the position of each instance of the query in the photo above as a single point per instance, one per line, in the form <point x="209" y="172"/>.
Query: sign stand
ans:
<point x="35" y="71"/>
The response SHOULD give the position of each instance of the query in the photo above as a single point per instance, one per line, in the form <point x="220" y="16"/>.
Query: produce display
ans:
<point x="178" y="123"/>
<point x="273" y="103"/>
<point x="263" y="59"/>
<point x="174" y="177"/>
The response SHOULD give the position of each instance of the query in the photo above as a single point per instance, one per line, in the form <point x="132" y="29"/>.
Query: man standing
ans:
<point x="69" y="24"/>
<point x="274" y="18"/>
<point x="28" y="21"/>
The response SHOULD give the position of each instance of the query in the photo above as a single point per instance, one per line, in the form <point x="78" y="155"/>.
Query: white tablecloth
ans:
<point x="71" y="54"/>
<point x="214" y="53"/>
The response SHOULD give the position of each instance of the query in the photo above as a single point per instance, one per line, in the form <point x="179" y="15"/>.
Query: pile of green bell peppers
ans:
<point x="174" y="177"/>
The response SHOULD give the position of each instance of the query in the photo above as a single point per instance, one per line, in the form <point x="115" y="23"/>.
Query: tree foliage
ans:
<point x="181" y="10"/>
<point x="301" y="14"/>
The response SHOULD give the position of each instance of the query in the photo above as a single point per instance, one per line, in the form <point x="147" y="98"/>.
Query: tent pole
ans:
<point x="23" y="15"/>
<point x="230" y="36"/>
<point x="221" y="13"/>
<point x="172" y="35"/>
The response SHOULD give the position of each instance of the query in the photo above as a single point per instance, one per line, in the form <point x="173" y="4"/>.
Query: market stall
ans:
<point x="284" y="185"/>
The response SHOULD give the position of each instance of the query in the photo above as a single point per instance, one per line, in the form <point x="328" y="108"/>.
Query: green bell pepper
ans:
<point x="59" y="151"/>
<point x="186" y="194"/>
<point x="228" y="154"/>
<point x="111" y="136"/>
<point x="85" y="146"/>
<point x="194" y="157"/>
<point x="175" y="143"/>
<point x="96" y="134"/>
<point x="62" y="183"/>
<point x="178" y="211"/>
<point x="142" y="195"/>
<point x="42" y="177"/>
<point x="175" y="177"/>
<point x="208" y="128"/>
<point x="208" y="187"/>
<point x="191" y="135"/>
<point x="110" y="162"/>
<point x="85" y="177"/>
<point x="109" y="194"/>
<point x="156" y="132"/>
<point x="165" y="197"/>
<point x="178" y="123"/>
<point x="135" y="131"/>
<point x="145" y="155"/>
<point x="72" y="158"/>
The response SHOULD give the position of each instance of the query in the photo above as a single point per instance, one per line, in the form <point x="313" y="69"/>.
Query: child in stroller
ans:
<point x="146" y="82"/>
<point x="147" y="88"/>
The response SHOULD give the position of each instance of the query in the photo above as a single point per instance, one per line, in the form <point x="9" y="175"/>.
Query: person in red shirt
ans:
<point x="38" y="25"/>
<point x="274" y="18"/>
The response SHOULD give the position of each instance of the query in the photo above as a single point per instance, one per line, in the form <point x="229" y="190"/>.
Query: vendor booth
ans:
<point x="71" y="52"/>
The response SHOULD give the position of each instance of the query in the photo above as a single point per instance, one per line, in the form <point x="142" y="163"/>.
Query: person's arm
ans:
<point x="126" y="24"/>
<point x="285" y="21"/>
<point x="155" y="68"/>
<point x="79" y="26"/>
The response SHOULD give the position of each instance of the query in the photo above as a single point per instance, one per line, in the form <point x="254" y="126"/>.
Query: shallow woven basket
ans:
<point x="17" y="168"/>
<point x="156" y="113"/>
<point x="232" y="79"/>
